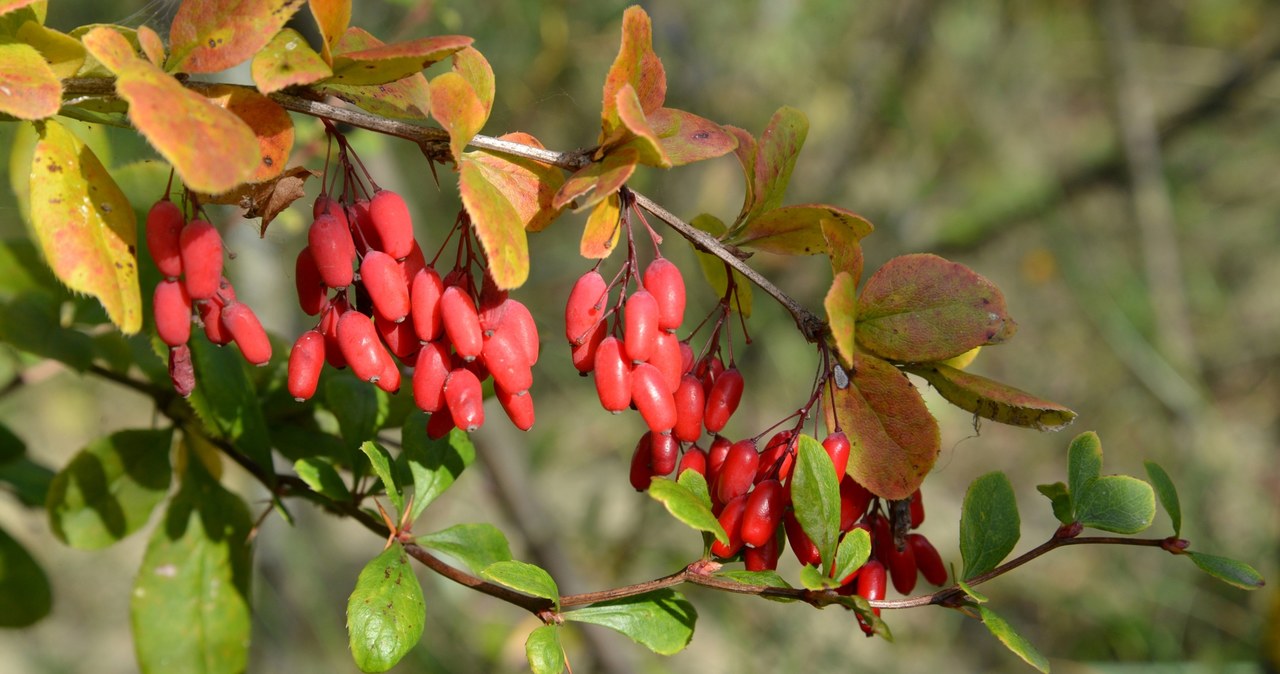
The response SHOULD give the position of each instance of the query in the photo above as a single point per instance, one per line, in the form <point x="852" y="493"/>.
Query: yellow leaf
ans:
<point x="28" y="87"/>
<point x="600" y="236"/>
<point x="496" y="224"/>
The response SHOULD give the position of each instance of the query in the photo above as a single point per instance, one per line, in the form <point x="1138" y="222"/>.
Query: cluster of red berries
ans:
<point x="451" y="335"/>
<point x="189" y="256"/>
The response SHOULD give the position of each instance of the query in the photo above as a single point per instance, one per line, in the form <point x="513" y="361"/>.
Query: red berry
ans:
<point x="360" y="345"/>
<point x="778" y="457"/>
<point x="247" y="332"/>
<point x="651" y="396"/>
<point x="902" y="568"/>
<point x="738" y="471"/>
<point x="312" y="293"/>
<point x="201" y="249"/>
<point x="665" y="452"/>
<point x="708" y="370"/>
<point x="507" y="362"/>
<point x="641" y="472"/>
<point x="461" y="324"/>
<point x="805" y="549"/>
<point x="306" y="360"/>
<point x="765" y="506"/>
<point x="518" y="406"/>
<point x="327" y="204"/>
<point x="917" y="509"/>
<point x="584" y="354"/>
<point x="764" y="557"/>
<point x="715" y="459"/>
<point x="585" y="306"/>
<point x="329" y="328"/>
<point x="694" y="459"/>
<point x="689" y="408"/>
<point x="492" y="306"/>
<point x="723" y="399"/>
<point x="731" y="520"/>
<point x="927" y="559"/>
<point x="837" y="446"/>
<point x="363" y="234"/>
<point x="172" y="307"/>
<point x="333" y="250"/>
<point x="613" y="375"/>
<point x="871" y="581"/>
<point x="429" y="373"/>
<point x="440" y="424"/>
<point x="465" y="399"/>
<point x="663" y="280"/>
<point x="410" y="266"/>
<point x="666" y="357"/>
<point x="640" y="327"/>
<point x="519" y="323"/>
<point x="400" y="338"/>
<point x="211" y="316"/>
<point x="686" y="358"/>
<point x="389" y="379"/>
<point x="386" y="287"/>
<point x="164" y="232"/>
<point x="389" y="216"/>
<point x="181" y="373"/>
<point x="424" y="297"/>
<point x="854" y="499"/>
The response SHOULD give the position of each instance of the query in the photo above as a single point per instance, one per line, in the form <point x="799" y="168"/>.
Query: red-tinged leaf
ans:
<point x="713" y="268"/>
<point x="778" y="149"/>
<point x="637" y="65"/>
<point x="995" y="401"/>
<point x="635" y="129"/>
<point x="152" y="45"/>
<point x="29" y="89"/>
<point x="332" y="17"/>
<point x="271" y="125"/>
<point x="842" y="312"/>
<point x="797" y="230"/>
<point x="921" y="308"/>
<point x="528" y="185"/>
<point x="497" y="225"/>
<point x="895" y="439"/>
<point x="212" y="35"/>
<point x="390" y="62"/>
<point x="844" y="249"/>
<point x="210" y="148"/>
<point x="85" y="225"/>
<point x="64" y="54"/>
<point x="267" y="199"/>
<point x="287" y="61"/>
<point x="458" y="109"/>
<point x="686" y="137"/>
<point x="93" y="67"/>
<point x="475" y="69"/>
<point x="409" y="98"/>
<point x="597" y="180"/>
<point x="600" y="236"/>
<point x="7" y="6"/>
<point x="746" y="151"/>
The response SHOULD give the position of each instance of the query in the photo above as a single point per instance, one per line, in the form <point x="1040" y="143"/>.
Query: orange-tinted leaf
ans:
<point x="990" y="399"/>
<point x="409" y="98"/>
<point x="7" y="6"/>
<point x="842" y="312"/>
<point x="271" y="125"/>
<point x="597" y="180"/>
<point x="797" y="230"/>
<point x="332" y="17"/>
<point x="921" y="308"/>
<point x="151" y="45"/>
<point x="390" y="62"/>
<point x="212" y="35"/>
<point x="686" y="137"/>
<point x="85" y="225"/>
<point x="895" y="439"/>
<point x="528" y="185"/>
<point x="267" y="199"/>
<point x="287" y="61"/>
<point x="600" y="236"/>
<point x="844" y="248"/>
<point x="92" y="66"/>
<point x="713" y="268"/>
<point x="210" y="148"/>
<point x="636" y="128"/>
<point x="496" y="224"/>
<point x="637" y="65"/>
<point x="29" y="89"/>
<point x="64" y="54"/>
<point x="746" y="151"/>
<point x="778" y="149"/>
<point x="458" y="109"/>
<point x="475" y="69"/>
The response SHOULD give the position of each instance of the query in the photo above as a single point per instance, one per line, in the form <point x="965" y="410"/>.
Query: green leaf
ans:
<point x="360" y="407"/>
<point x="110" y="488"/>
<point x="774" y="159"/>
<point x="862" y="608"/>
<point x="385" y="614"/>
<point x="543" y="650"/>
<point x="687" y="507"/>
<point x="797" y="230"/>
<point x="686" y="137"/>
<point x="1167" y="493"/>
<point x="25" y="595"/>
<point x="661" y="620"/>
<point x="523" y="577"/>
<point x="853" y="552"/>
<point x="32" y="89"/>
<point x="28" y="480"/>
<point x="1060" y="499"/>
<point x="434" y="464"/>
<point x="1012" y="640"/>
<point x="409" y="98"/>
<point x="190" y="602"/>
<point x="1084" y="465"/>
<point x="380" y="459"/>
<point x="815" y="495"/>
<point x="321" y="476"/>
<point x="1229" y="571"/>
<point x="226" y="401"/>
<point x="476" y="545"/>
<point x="765" y="578"/>
<point x="383" y="63"/>
<point x="1116" y="503"/>
<point x="496" y="223"/>
<point x="920" y="308"/>
<point x="212" y="35"/>
<point x="993" y="400"/>
<point x="715" y="270"/>
<point x="30" y="322"/>
<point x="528" y="185"/>
<point x="989" y="524"/>
<point x="287" y="61"/>
<point x="12" y="447"/>
<point x="696" y="483"/>
<point x="973" y="594"/>
<point x="812" y="578"/>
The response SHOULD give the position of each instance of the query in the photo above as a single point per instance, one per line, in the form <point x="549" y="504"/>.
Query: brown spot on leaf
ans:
<point x="267" y="160"/>
<point x="702" y="135"/>
<point x="53" y="167"/>
<point x="212" y="43"/>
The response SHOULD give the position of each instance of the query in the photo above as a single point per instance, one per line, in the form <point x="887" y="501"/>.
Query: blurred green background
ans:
<point x="1113" y="166"/>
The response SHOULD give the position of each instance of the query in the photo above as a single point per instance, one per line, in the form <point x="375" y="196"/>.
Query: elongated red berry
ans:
<point x="400" y="338"/>
<point x="927" y="559"/>
<point x="363" y="232"/>
<point x="641" y="472"/>
<point x="247" y="332"/>
<point x="333" y="250"/>
<point x="708" y="370"/>
<point x="723" y="399"/>
<point x="181" y="372"/>
<point x="385" y="285"/>
<point x="465" y="399"/>
<point x="762" y="558"/>
<point x="902" y="568"/>
<point x="731" y="520"/>
<point x="201" y="249"/>
<point x="837" y="446"/>
<point x="584" y="354"/>
<point x="360" y="345"/>
<point x="518" y="406"/>
<point x="871" y="580"/>
<point x="716" y="454"/>
<point x="613" y="375"/>
<point x="663" y="280"/>
<point x="765" y="506"/>
<point x="210" y="312"/>
<point x="414" y="263"/>
<point x="651" y="396"/>
<point x="694" y="459"/>
<point x="804" y="548"/>
<point x="461" y="325"/>
<point x="172" y="307"/>
<point x="666" y="357"/>
<point x="917" y="509"/>
<point x="689" y="408"/>
<point x="640" y="325"/>
<point x="665" y="451"/>
<point x="518" y="321"/>
<point x="507" y="361"/>
<point x="424" y="297"/>
<point x="164" y="232"/>
<point x="439" y="424"/>
<point x="585" y="307"/>
<point x="854" y="499"/>
<point x="778" y="457"/>
<point x="389" y="377"/>
<point x="306" y="360"/>
<point x="312" y="293"/>
<point x="686" y="358"/>
<point x="389" y="216"/>
<point x="738" y="471"/>
<point x="328" y="327"/>
<point x="429" y="373"/>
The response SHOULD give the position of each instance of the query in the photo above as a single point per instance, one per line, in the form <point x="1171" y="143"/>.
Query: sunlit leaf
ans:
<point x="597" y="180"/>
<point x="714" y="269"/>
<point x="458" y="109"/>
<point x="64" y="54"/>
<point x="211" y="35"/>
<point x="409" y="98"/>
<point x="637" y="65"/>
<point x="523" y="577"/>
<point x="25" y="595"/>
<point x="29" y="89"/>
<point x="662" y="620"/>
<point x="7" y="6"/>
<point x="1167" y="493"/>
<point x="270" y="124"/>
<point x="385" y="613"/>
<point x="543" y="650"/>
<point x="390" y="62"/>
<point x="853" y="552"/>
<point x="600" y="236"/>
<point x="85" y="225"/>
<point x="746" y="150"/>
<point x="380" y="460"/>
<point x="815" y="495"/>
<point x="287" y="61"/>
<point x="1084" y="462"/>
<point x="332" y="18"/>
<point x="990" y="399"/>
<point x="766" y="578"/>
<point x="696" y="483"/>
<point x="635" y="128"/>
<point x="774" y="158"/>
<point x="686" y="137"/>
<point x="797" y="230"/>
<point x="1116" y="503"/>
<point x="475" y="69"/>
<point x="322" y="477"/>
<point x="812" y="578"/>
<point x="989" y="524"/>
<point x="895" y="438"/>
<point x="530" y="186"/>
<point x="496" y="223"/>
<point x="842" y="308"/>
<point x="1012" y="640"/>
<point x="476" y="545"/>
<point x="152" y="45"/>
<point x="1229" y="571"/>
<point x="685" y="506"/>
<point x="434" y="465"/>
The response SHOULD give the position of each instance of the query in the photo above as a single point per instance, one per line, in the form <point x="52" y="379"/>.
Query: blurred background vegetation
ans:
<point x="1113" y="166"/>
